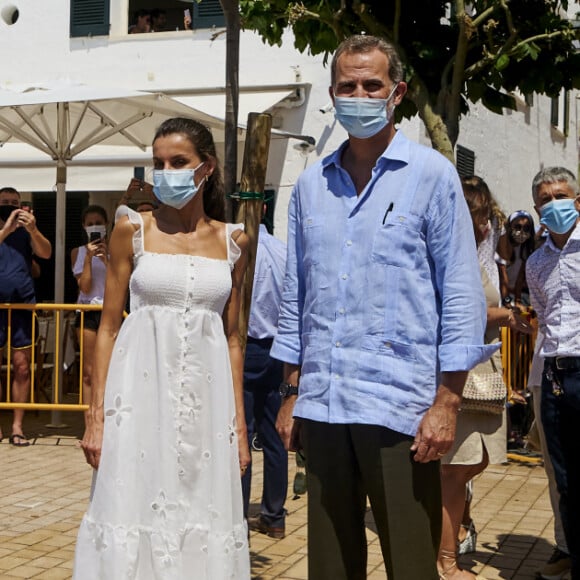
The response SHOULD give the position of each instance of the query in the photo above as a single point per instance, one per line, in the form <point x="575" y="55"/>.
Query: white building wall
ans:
<point x="37" y="49"/>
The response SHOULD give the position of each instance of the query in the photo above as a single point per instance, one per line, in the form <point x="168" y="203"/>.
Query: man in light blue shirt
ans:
<point x="262" y="378"/>
<point x="382" y="316"/>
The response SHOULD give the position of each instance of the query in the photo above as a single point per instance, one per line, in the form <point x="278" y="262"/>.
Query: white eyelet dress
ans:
<point x="166" y="501"/>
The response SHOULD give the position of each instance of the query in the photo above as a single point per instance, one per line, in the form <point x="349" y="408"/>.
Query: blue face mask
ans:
<point x="363" y="117"/>
<point x="175" y="187"/>
<point x="559" y="216"/>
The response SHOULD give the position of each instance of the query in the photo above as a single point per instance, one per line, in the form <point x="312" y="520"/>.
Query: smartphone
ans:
<point x="25" y="206"/>
<point x="95" y="237"/>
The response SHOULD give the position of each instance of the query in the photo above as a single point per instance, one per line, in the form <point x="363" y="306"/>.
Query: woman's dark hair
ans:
<point x="201" y="138"/>
<point x="529" y="245"/>
<point x="94" y="209"/>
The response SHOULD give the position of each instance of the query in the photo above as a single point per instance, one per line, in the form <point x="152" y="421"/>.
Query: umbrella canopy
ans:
<point x="65" y="120"/>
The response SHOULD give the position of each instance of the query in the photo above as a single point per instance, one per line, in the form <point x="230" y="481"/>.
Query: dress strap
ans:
<point x="137" y="220"/>
<point x="234" y="251"/>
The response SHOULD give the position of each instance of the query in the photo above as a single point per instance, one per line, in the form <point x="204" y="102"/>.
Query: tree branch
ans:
<point x="477" y="67"/>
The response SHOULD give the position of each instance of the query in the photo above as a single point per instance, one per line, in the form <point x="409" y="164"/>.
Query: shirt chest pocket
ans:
<point x="312" y="236"/>
<point x="397" y="242"/>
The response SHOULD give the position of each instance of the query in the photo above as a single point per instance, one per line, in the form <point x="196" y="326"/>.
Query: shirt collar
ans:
<point x="575" y="235"/>
<point x="397" y="150"/>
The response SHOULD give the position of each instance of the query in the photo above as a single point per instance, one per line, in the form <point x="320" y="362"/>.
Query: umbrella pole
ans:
<point x="59" y="261"/>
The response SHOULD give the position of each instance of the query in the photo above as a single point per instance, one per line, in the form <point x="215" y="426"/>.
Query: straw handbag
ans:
<point x="485" y="392"/>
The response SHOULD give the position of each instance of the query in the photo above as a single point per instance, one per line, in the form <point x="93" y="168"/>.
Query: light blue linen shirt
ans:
<point x="382" y="291"/>
<point x="268" y="283"/>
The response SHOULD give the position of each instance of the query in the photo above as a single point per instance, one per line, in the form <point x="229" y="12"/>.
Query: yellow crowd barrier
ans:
<point x="53" y="357"/>
<point x="48" y="365"/>
<point x="517" y="352"/>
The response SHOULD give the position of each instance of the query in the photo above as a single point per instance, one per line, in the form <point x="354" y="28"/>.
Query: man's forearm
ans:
<point x="39" y="244"/>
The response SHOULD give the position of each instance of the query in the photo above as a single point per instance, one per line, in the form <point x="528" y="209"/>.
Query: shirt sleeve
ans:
<point x="287" y="344"/>
<point x="451" y="244"/>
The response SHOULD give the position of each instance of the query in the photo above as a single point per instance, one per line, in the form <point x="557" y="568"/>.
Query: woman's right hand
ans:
<point x="97" y="249"/>
<point x="92" y="442"/>
<point x="519" y="321"/>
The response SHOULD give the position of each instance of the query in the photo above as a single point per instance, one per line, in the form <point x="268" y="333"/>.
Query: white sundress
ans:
<point x="166" y="502"/>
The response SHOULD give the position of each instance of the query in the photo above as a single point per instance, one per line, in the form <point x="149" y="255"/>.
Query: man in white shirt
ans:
<point x="553" y="275"/>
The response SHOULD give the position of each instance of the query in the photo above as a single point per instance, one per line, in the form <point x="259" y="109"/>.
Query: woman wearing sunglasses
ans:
<point x="514" y="248"/>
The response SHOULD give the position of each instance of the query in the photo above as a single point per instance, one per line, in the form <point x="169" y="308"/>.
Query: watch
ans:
<point x="287" y="390"/>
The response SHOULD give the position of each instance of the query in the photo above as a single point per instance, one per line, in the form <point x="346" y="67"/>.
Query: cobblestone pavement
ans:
<point x="45" y="489"/>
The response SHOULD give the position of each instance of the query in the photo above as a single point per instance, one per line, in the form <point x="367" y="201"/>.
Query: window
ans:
<point x="92" y="17"/>
<point x="560" y="112"/>
<point x="465" y="161"/>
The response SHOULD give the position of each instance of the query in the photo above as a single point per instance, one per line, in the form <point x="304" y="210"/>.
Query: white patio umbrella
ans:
<point x="63" y="121"/>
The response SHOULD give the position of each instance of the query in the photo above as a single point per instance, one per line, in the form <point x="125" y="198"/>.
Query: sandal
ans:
<point x="467" y="545"/>
<point x="446" y="555"/>
<point x="18" y="440"/>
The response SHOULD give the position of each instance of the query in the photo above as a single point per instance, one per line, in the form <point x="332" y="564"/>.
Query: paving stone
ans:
<point x="40" y="514"/>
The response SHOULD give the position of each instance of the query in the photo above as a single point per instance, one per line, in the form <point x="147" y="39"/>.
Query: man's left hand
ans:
<point x="26" y="220"/>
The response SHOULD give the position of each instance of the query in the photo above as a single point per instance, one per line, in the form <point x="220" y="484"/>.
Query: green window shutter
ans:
<point x="207" y="13"/>
<point x="465" y="161"/>
<point x="89" y="18"/>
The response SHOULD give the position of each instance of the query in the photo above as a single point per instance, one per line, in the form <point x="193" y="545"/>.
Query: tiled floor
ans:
<point x="44" y="490"/>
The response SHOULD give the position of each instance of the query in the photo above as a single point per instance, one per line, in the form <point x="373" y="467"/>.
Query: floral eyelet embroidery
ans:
<point x="119" y="411"/>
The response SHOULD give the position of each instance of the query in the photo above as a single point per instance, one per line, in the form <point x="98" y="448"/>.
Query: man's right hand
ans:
<point x="285" y="424"/>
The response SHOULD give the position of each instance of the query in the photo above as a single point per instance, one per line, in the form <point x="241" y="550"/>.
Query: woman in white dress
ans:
<point x="165" y="429"/>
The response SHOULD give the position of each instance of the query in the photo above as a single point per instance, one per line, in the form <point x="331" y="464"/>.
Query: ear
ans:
<point x="210" y="165"/>
<point x="400" y="92"/>
<point x="331" y="93"/>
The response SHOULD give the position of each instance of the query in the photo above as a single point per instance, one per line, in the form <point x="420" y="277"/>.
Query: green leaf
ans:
<point x="502" y="62"/>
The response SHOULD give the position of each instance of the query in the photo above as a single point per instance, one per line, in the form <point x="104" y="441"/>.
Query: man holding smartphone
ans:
<point x="19" y="240"/>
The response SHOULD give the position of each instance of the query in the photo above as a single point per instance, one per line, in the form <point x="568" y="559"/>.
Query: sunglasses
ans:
<point x="521" y="228"/>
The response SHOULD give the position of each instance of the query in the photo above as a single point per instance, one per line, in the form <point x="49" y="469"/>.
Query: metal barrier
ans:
<point x="517" y="352"/>
<point x="40" y="367"/>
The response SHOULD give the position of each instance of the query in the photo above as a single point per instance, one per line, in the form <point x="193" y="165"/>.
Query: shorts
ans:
<point x="21" y="321"/>
<point x="92" y="320"/>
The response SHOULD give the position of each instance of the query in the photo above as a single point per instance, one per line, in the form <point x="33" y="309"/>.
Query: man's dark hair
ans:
<point x="139" y="14"/>
<point x="365" y="43"/>
<point x="10" y="190"/>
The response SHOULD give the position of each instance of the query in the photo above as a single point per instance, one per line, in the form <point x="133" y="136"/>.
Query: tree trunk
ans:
<point x="250" y="208"/>
<point x="434" y="124"/>
<point x="232" y="16"/>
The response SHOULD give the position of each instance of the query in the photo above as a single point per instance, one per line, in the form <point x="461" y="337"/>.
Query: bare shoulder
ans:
<point x="122" y="237"/>
<point x="241" y="238"/>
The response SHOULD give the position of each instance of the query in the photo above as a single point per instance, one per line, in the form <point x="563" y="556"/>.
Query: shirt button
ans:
<point x="338" y="343"/>
<point x="349" y="242"/>
<point x="341" y="310"/>
<point x="337" y="376"/>
<point x="345" y="276"/>
<point x="388" y="344"/>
